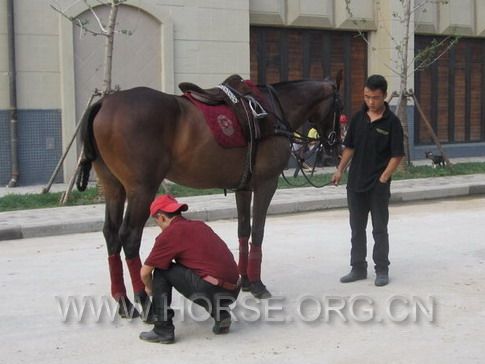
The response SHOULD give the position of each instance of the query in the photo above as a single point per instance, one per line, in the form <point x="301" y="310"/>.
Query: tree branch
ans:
<point x="430" y="59"/>
<point x="77" y="22"/>
<point x="100" y="24"/>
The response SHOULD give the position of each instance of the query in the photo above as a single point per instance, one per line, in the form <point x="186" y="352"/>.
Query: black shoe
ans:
<point x="258" y="289"/>
<point x="222" y="326"/>
<point x="167" y="337"/>
<point x="354" y="275"/>
<point x="382" y="278"/>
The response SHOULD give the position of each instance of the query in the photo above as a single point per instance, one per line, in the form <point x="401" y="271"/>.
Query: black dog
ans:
<point x="438" y="160"/>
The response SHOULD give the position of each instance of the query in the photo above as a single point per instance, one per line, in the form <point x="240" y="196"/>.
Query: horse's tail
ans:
<point x="87" y="137"/>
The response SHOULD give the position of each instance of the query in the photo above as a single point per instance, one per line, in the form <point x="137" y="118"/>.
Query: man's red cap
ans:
<point x="166" y="203"/>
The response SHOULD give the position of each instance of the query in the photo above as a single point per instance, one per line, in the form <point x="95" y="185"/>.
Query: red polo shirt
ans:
<point x="196" y="246"/>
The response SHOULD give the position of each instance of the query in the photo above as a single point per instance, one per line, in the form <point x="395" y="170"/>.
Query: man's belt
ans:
<point x="220" y="283"/>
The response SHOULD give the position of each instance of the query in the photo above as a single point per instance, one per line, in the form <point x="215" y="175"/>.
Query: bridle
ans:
<point x="332" y="140"/>
<point x="328" y="143"/>
<point x="283" y="128"/>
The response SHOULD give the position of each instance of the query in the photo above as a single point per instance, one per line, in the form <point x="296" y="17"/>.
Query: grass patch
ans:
<point x="28" y="201"/>
<point x="427" y="171"/>
<point x="32" y="201"/>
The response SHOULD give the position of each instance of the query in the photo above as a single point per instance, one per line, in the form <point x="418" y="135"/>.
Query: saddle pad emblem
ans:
<point x="225" y="124"/>
<point x="222" y="122"/>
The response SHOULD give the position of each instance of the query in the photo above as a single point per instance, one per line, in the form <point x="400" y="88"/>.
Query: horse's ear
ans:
<point x="339" y="78"/>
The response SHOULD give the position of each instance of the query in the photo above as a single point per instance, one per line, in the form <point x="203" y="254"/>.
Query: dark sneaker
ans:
<point x="258" y="289"/>
<point x="382" y="278"/>
<point x="167" y="337"/>
<point x="222" y="326"/>
<point x="354" y="275"/>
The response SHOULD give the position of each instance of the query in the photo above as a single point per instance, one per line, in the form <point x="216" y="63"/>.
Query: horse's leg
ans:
<point x="263" y="193"/>
<point x="243" y="203"/>
<point x="136" y="215"/>
<point x="115" y="202"/>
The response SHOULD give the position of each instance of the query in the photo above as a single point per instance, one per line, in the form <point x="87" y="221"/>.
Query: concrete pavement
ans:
<point x="81" y="219"/>
<point x="431" y="312"/>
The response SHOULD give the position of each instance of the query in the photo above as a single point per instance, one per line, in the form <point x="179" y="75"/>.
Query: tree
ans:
<point x="105" y="30"/>
<point x="108" y="31"/>
<point x="403" y="65"/>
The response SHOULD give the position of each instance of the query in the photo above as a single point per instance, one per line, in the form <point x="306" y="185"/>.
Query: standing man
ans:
<point x="374" y="143"/>
<point x="189" y="256"/>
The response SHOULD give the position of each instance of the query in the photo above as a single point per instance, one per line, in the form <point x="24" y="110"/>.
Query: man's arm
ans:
<point x="347" y="155"/>
<point x="146" y="276"/>
<point x="390" y="169"/>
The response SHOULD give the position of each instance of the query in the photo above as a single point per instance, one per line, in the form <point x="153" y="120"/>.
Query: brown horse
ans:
<point x="138" y="137"/>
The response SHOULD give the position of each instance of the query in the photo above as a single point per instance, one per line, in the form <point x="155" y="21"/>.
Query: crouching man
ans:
<point x="189" y="256"/>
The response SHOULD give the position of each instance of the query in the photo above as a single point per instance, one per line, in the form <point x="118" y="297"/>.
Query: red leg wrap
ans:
<point x="134" y="266"/>
<point x="243" y="256"/>
<point x="254" y="266"/>
<point x="118" y="289"/>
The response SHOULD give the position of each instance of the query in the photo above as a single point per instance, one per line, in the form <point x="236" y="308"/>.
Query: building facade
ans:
<point x="55" y="66"/>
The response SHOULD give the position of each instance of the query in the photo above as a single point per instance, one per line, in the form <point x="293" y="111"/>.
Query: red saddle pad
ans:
<point x="222" y="122"/>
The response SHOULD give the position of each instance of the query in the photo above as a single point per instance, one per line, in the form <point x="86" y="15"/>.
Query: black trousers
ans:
<point x="375" y="201"/>
<point x="214" y="299"/>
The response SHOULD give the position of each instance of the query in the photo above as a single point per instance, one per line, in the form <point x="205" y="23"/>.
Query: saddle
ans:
<point x="241" y="97"/>
<point x="216" y="95"/>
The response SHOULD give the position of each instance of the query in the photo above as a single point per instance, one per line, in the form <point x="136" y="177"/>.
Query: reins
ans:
<point x="283" y="128"/>
<point x="295" y="137"/>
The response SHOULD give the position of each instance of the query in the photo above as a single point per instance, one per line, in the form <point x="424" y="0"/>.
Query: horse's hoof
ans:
<point x="146" y="313"/>
<point x="126" y="309"/>
<point x="258" y="290"/>
<point x="245" y="284"/>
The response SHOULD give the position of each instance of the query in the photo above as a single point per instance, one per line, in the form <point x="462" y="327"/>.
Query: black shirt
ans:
<point x="374" y="144"/>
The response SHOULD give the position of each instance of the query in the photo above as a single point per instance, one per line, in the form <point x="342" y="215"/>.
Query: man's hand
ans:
<point x="146" y="276"/>
<point x="391" y="167"/>
<point x="337" y="176"/>
<point x="347" y="155"/>
<point x="383" y="178"/>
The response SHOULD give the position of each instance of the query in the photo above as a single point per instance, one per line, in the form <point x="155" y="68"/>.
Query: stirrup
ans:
<point x="257" y="110"/>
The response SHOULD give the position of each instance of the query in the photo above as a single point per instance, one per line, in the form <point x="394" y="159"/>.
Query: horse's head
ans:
<point x="325" y="117"/>
<point x="316" y="101"/>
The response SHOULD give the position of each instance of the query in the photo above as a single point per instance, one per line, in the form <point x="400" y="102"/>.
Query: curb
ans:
<point x="11" y="233"/>
<point x="279" y="206"/>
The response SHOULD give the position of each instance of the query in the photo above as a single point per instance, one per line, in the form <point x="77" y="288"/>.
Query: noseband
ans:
<point x="333" y="138"/>
<point x="282" y="127"/>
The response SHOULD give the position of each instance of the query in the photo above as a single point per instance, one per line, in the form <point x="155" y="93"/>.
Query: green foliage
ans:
<point x="39" y="200"/>
<point x="32" y="201"/>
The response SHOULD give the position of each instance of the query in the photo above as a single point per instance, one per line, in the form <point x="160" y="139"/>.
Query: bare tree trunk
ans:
<point x="108" y="61"/>
<point x="431" y="131"/>
<point x="403" y="97"/>
<point x="403" y="116"/>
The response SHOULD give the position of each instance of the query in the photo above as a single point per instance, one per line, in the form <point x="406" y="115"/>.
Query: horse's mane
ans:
<point x="292" y="82"/>
<point x="296" y="82"/>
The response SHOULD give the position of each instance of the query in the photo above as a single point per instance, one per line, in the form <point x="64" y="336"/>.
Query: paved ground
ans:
<point x="438" y="260"/>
